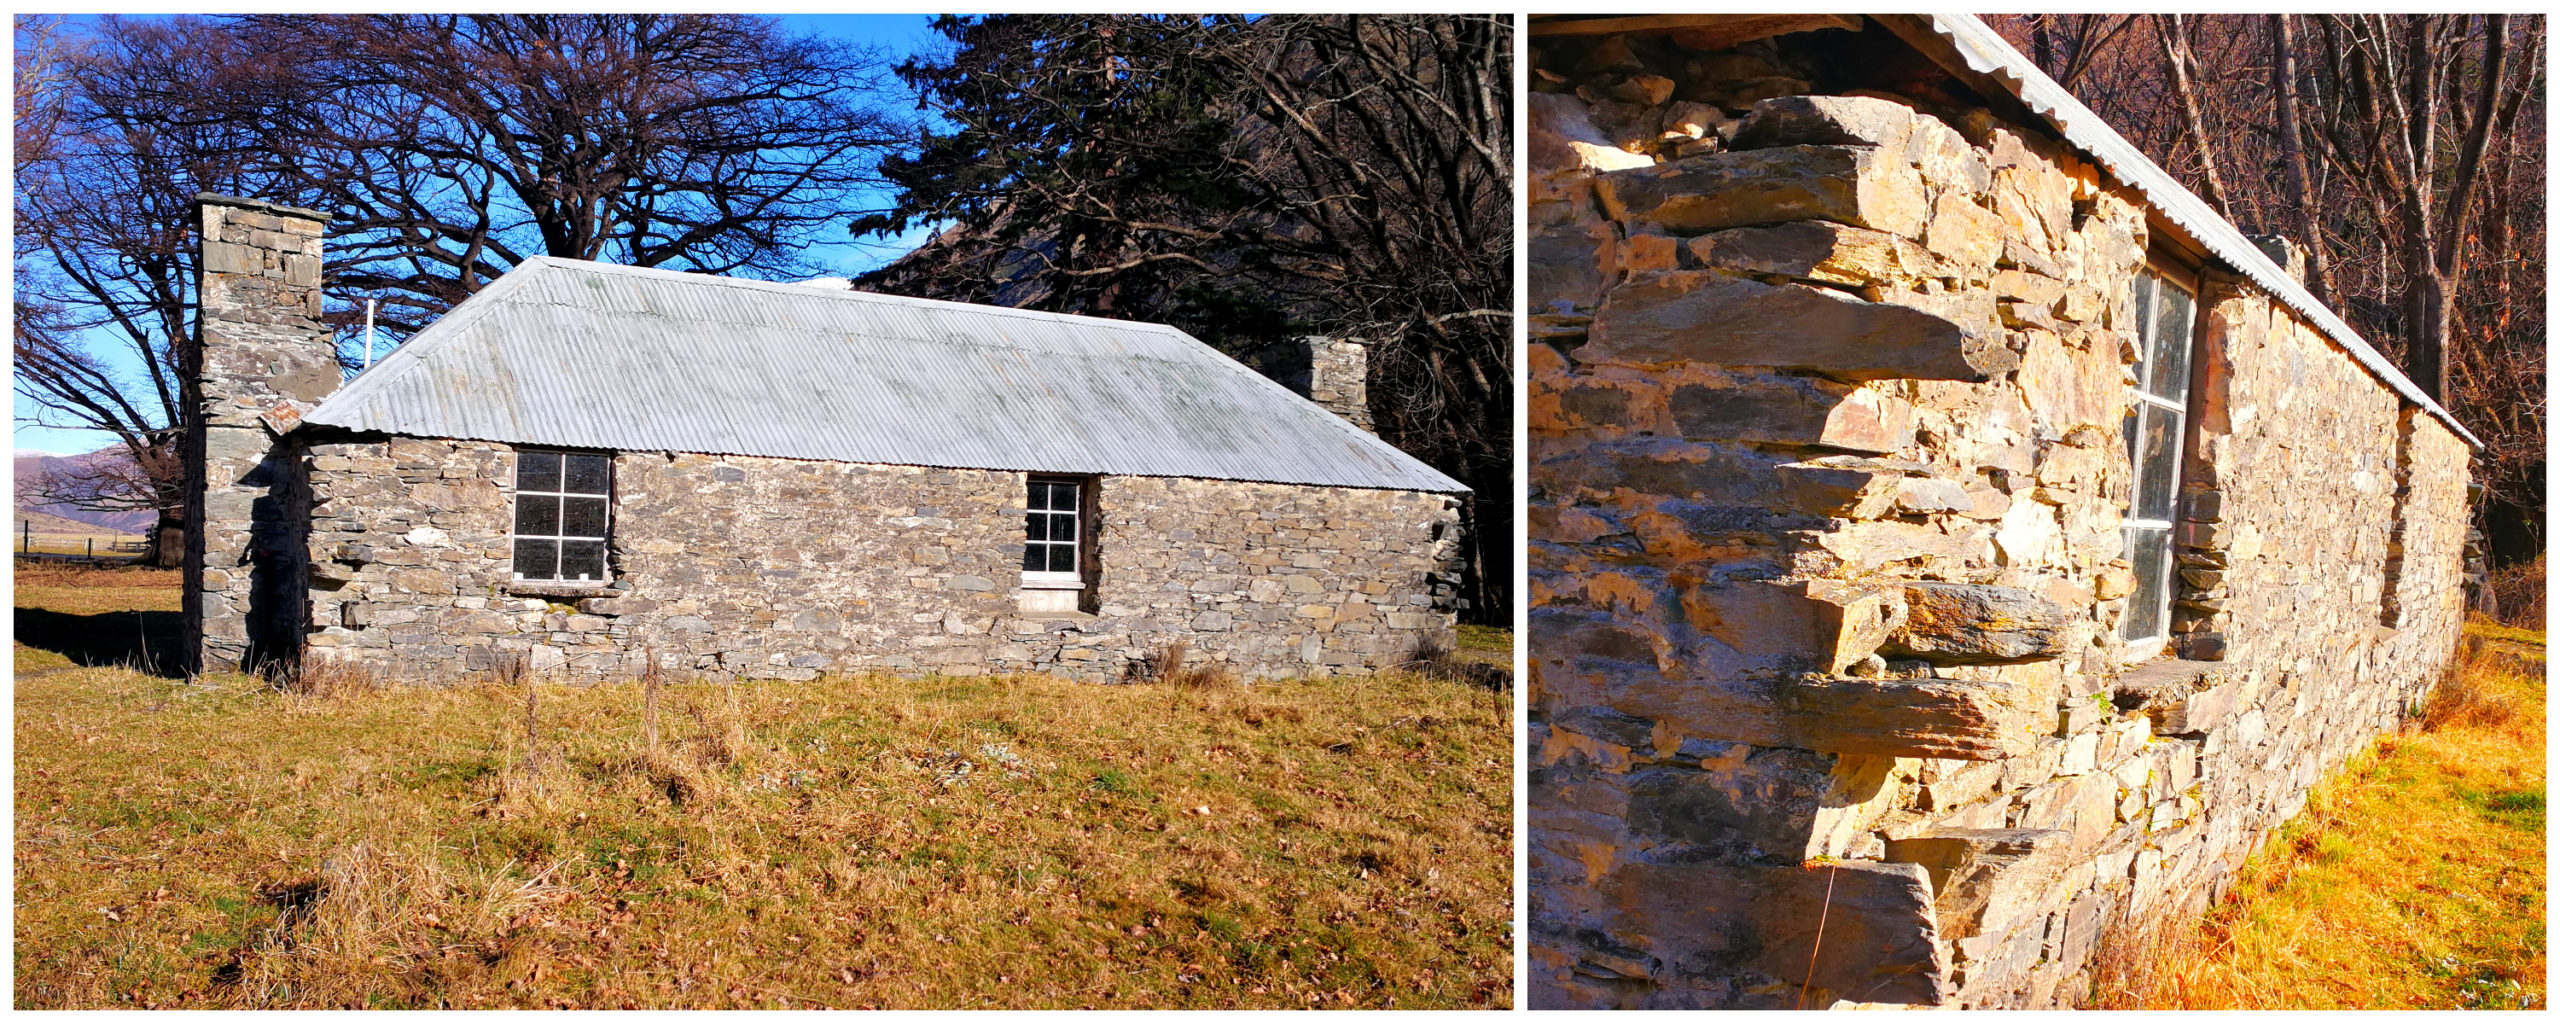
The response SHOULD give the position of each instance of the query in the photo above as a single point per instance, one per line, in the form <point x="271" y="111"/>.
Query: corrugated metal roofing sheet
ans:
<point x="1986" y="53"/>
<point x="594" y="355"/>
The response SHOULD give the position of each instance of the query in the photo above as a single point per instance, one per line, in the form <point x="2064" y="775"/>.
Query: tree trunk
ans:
<point x="2297" y="172"/>
<point x="166" y="548"/>
<point x="2173" y="48"/>
<point x="2429" y="318"/>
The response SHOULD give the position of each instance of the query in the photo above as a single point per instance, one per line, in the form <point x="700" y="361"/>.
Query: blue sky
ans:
<point x="899" y="34"/>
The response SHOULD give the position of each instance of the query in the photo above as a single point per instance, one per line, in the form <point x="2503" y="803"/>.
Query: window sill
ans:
<point x="542" y="588"/>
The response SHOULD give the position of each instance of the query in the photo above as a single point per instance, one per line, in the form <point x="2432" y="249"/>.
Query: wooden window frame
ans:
<point x="1080" y="550"/>
<point x="2173" y="399"/>
<point x="517" y="492"/>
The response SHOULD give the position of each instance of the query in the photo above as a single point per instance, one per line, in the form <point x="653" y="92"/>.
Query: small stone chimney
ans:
<point x="2287" y="254"/>
<point x="259" y="342"/>
<point x="1338" y="378"/>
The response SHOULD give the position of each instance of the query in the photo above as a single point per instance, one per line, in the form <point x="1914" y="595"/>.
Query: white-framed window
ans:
<point x="1053" y="532"/>
<point x="564" y="513"/>
<point x="2155" y="433"/>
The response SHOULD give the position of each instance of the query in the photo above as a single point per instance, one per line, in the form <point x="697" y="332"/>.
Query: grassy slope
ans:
<point x="2413" y="880"/>
<point x="868" y="841"/>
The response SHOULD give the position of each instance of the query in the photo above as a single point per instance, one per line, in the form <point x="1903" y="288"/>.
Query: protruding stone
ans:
<point x="1825" y="121"/>
<point x="1706" y="317"/>
<point x="1986" y="880"/>
<point x="1849" y="184"/>
<point x="1955" y="623"/>
<point x="1793" y="410"/>
<point x="1763" y="918"/>
<point x="1563" y="138"/>
<point x="1817" y="250"/>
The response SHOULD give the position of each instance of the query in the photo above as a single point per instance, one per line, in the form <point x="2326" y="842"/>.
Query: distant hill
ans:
<point x="44" y="523"/>
<point x="33" y="469"/>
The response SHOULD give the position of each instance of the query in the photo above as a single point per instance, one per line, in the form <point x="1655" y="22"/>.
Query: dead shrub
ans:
<point x="326" y="678"/>
<point x="530" y="777"/>
<point x="1433" y="660"/>
<point x="2143" y="964"/>
<point x="2520" y="597"/>
<point x="2472" y="692"/>
<point x="724" y="741"/>
<point x="1172" y="666"/>
<point x="373" y="913"/>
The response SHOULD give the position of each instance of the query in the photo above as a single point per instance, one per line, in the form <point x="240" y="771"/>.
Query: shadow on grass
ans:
<point x="145" y="641"/>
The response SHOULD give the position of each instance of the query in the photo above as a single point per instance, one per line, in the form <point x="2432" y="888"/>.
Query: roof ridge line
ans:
<point x="856" y="294"/>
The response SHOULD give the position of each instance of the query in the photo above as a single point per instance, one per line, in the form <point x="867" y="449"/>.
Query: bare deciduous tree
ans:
<point x="1248" y="180"/>
<point x="446" y="149"/>
<point x="106" y="267"/>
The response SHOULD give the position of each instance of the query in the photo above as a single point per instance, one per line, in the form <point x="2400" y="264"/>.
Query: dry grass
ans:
<point x="88" y="590"/>
<point x="2413" y="880"/>
<point x="866" y="841"/>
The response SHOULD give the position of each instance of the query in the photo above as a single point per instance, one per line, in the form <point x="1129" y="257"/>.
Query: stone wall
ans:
<point x="259" y="342"/>
<point x="1827" y="475"/>
<point x="741" y="567"/>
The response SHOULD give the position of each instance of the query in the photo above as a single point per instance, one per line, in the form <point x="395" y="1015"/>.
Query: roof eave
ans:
<point x="1979" y="56"/>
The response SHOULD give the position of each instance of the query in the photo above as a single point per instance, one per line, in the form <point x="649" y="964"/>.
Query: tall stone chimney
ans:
<point x="259" y="342"/>
<point x="1338" y="378"/>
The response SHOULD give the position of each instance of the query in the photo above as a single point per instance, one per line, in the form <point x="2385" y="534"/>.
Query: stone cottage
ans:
<point x="1951" y="543"/>
<point x="585" y="465"/>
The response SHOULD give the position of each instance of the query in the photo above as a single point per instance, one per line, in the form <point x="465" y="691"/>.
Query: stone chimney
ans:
<point x="2287" y="254"/>
<point x="1338" y="378"/>
<point x="259" y="343"/>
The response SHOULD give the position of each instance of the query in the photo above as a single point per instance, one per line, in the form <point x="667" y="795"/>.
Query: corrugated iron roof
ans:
<point x="1985" y="53"/>
<point x="594" y="355"/>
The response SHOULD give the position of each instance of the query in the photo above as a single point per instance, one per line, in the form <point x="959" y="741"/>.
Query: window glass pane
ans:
<point x="1062" y="496"/>
<point x="1062" y="558"/>
<point x="582" y="517"/>
<point x="1039" y="494"/>
<point x="537" y="471"/>
<point x="2145" y="617"/>
<point x="2145" y="286"/>
<point x="1036" y="527"/>
<point x="588" y="473"/>
<point x="2168" y="367"/>
<point x="537" y="514"/>
<point x="581" y="559"/>
<point x="2160" y="432"/>
<point x="538" y="559"/>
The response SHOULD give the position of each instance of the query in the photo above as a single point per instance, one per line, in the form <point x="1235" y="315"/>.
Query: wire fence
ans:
<point x="121" y="547"/>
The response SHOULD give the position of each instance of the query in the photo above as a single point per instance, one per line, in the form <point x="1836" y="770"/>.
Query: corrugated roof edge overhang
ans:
<point x="1986" y="55"/>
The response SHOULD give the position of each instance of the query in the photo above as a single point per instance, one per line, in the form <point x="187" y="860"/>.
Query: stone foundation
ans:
<point x="1827" y="481"/>
<point x="741" y="567"/>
